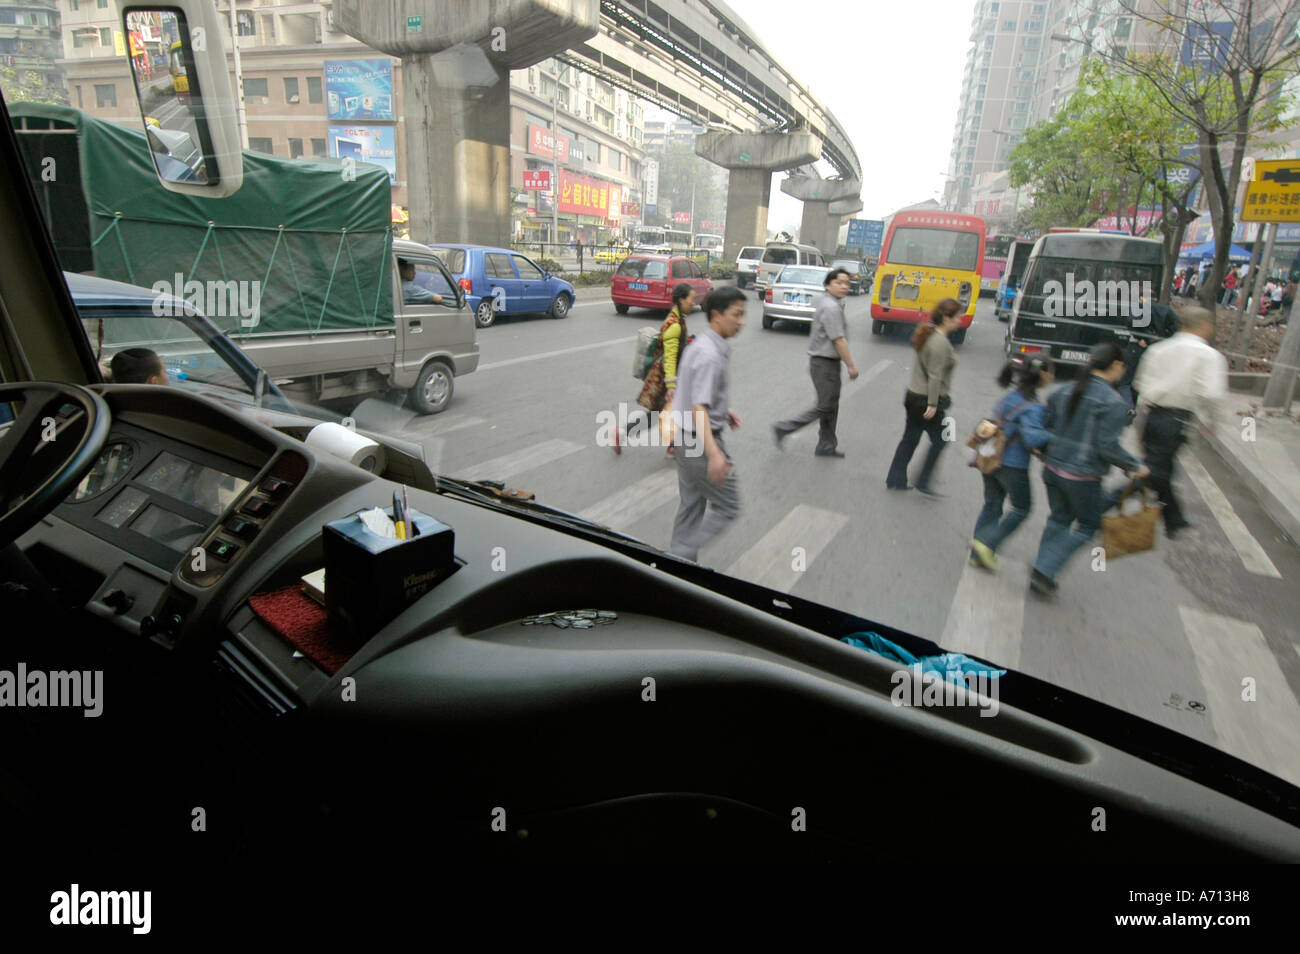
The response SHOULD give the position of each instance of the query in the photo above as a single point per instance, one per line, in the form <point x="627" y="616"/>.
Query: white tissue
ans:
<point x="379" y="523"/>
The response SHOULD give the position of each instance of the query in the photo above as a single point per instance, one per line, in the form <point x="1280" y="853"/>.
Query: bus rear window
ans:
<point x="780" y="256"/>
<point x="934" y="248"/>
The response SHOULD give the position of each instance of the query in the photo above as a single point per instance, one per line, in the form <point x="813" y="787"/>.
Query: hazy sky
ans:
<point x="889" y="71"/>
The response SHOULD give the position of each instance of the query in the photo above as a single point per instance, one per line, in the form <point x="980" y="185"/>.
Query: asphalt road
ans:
<point x="1178" y="635"/>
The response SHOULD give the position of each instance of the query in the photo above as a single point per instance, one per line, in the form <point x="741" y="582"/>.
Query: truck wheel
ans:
<point x="958" y="336"/>
<point x="560" y="307"/>
<point x="485" y="314"/>
<point x="432" y="390"/>
<point x="622" y="309"/>
<point x="877" y="326"/>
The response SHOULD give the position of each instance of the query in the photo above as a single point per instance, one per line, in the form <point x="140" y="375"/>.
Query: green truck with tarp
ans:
<point x="299" y="267"/>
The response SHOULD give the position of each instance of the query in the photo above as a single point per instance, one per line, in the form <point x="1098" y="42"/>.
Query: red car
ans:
<point x="647" y="281"/>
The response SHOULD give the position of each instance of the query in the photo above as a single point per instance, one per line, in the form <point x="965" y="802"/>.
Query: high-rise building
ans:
<point x="30" y="46"/>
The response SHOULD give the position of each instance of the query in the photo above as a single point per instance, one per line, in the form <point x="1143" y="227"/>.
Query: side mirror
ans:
<point x="178" y="64"/>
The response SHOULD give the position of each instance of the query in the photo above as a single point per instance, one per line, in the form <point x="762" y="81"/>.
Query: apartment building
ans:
<point x="30" y="45"/>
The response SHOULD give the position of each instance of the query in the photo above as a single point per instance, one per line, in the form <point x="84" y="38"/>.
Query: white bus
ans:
<point x="708" y="243"/>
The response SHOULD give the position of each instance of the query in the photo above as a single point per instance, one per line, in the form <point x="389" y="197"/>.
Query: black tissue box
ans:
<point x="369" y="579"/>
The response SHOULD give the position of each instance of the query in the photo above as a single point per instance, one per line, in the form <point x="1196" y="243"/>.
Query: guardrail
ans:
<point x="563" y="256"/>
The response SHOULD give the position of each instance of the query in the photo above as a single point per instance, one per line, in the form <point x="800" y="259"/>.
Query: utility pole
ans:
<point x="555" y="156"/>
<point x="239" y="78"/>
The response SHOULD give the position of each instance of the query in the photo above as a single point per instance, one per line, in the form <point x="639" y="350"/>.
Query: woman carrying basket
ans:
<point x="661" y="379"/>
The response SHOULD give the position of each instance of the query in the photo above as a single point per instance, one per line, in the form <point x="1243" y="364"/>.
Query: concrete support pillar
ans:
<point x="458" y="183"/>
<point x="814" y="224"/>
<point x="751" y="159"/>
<point x="818" y="197"/>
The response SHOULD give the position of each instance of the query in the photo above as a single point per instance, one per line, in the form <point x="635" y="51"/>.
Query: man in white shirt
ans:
<point x="1179" y="377"/>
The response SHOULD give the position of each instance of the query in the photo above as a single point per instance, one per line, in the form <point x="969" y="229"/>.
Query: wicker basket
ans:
<point x="1130" y="532"/>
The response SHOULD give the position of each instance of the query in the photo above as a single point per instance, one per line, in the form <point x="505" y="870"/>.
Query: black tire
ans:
<point x="433" y="389"/>
<point x="877" y="326"/>
<point x="560" y="307"/>
<point x="767" y="322"/>
<point x="621" y="309"/>
<point x="958" y="336"/>
<point x="485" y="314"/>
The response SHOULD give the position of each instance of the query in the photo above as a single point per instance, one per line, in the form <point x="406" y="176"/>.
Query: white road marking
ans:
<point x="544" y="355"/>
<point x="622" y="510"/>
<point x="433" y="426"/>
<point x="510" y="465"/>
<point x="987" y="615"/>
<point x="1247" y="547"/>
<point x="769" y="562"/>
<point x="1262" y="732"/>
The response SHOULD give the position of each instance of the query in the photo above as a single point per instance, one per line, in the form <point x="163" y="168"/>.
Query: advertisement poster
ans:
<point x="541" y="141"/>
<point x="537" y="179"/>
<point x="366" y="143"/>
<point x="585" y="195"/>
<point x="359" y="89"/>
<point x="651" y="191"/>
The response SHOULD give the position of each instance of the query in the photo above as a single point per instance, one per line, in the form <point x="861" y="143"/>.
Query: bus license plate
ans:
<point x="638" y="286"/>
<point x="910" y="292"/>
<point x="1074" y="356"/>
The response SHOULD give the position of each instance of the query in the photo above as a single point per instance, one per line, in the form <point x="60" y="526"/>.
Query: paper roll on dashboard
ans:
<point x="348" y="444"/>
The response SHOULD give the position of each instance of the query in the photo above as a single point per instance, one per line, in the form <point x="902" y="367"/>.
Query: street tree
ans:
<point x="1056" y="163"/>
<point x="1218" y="67"/>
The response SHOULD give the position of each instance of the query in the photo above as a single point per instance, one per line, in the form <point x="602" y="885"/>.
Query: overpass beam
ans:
<point x="819" y="225"/>
<point x="456" y="62"/>
<point x="750" y="159"/>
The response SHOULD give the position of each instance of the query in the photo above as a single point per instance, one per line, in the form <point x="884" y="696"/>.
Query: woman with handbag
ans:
<point x="661" y="380"/>
<point x="1021" y="416"/>
<point x="1086" y="421"/>
<point x="927" y="396"/>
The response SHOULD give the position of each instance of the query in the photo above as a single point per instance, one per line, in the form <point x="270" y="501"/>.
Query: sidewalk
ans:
<point x="1269" y="465"/>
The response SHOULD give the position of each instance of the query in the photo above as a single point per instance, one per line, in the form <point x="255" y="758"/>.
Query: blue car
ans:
<point x="498" y="281"/>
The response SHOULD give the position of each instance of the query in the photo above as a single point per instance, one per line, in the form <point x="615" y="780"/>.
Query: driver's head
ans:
<point x="138" y="366"/>
<point x="406" y="270"/>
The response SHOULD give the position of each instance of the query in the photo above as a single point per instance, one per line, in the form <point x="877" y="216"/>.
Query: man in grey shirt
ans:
<point x="705" y="478"/>
<point x="827" y="347"/>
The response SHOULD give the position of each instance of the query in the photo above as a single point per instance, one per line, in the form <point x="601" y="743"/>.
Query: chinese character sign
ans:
<point x="541" y="142"/>
<point x="537" y="179"/>
<point x="359" y="89"/>
<point x="584" y="195"/>
<point x="1274" y="195"/>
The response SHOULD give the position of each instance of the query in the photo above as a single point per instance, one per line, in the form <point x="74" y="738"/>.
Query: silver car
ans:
<point x="793" y="296"/>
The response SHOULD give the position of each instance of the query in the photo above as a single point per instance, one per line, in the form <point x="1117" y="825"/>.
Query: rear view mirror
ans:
<point x="178" y="64"/>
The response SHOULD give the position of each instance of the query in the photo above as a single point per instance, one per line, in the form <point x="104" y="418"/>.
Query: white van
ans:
<point x="777" y="255"/>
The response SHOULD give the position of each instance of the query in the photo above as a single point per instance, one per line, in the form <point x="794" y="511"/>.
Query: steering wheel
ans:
<point x="47" y="450"/>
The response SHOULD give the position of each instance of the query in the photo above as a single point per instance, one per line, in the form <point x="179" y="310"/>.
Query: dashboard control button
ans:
<point x="239" y="527"/>
<point x="275" y="488"/>
<point x="118" y="601"/>
<point x="148" y="626"/>
<point x="223" y="550"/>
<point x="257" y="507"/>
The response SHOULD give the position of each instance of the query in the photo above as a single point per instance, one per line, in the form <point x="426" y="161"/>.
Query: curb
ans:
<point x="1286" y="516"/>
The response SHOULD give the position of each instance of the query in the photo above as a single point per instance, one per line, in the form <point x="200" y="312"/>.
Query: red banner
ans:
<point x="585" y="195"/>
<point x="632" y="208"/>
<point x="541" y="142"/>
<point x="681" y="217"/>
<point x="537" y="179"/>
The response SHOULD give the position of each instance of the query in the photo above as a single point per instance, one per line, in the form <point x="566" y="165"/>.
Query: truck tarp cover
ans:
<point x="317" y="242"/>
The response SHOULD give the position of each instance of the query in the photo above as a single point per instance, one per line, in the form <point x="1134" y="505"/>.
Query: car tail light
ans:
<point x="767" y="295"/>
<point x="885" y="286"/>
<point x="466" y="284"/>
<point x="1030" y="349"/>
<point x="964" y="297"/>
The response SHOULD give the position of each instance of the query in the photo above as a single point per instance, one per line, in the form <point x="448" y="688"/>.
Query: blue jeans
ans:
<point x="992" y="526"/>
<point x="1077" y="506"/>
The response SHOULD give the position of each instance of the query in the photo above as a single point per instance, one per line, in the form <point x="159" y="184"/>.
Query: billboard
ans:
<point x="682" y="218"/>
<point x="632" y="209"/>
<point x="541" y="142"/>
<point x="359" y="89"/>
<point x="367" y="144"/>
<point x="1206" y="46"/>
<point x="651" y="191"/>
<point x="537" y="179"/>
<point x="585" y="195"/>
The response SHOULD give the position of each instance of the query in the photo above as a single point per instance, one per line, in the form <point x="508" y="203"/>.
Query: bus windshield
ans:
<point x="934" y="248"/>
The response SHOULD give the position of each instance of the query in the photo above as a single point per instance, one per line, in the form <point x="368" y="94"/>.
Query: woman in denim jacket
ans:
<point x="1086" y="421"/>
<point x="1022" y="419"/>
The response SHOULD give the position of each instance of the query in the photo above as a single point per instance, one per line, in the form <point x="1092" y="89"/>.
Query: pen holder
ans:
<point x="369" y="578"/>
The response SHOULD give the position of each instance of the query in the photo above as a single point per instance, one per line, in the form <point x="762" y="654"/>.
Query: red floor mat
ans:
<point x="305" y="624"/>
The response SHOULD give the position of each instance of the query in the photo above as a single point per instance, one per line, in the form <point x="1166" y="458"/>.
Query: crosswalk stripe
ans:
<point x="987" y="613"/>
<point x="621" y="510"/>
<point x="437" y="428"/>
<point x="1262" y="732"/>
<point x="769" y="562"/>
<point x="1247" y="547"/>
<point x="545" y="355"/>
<point x="528" y="458"/>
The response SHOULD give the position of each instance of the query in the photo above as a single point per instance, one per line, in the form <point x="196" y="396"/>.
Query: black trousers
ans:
<point x="1163" y="435"/>
<point x="915" y="426"/>
<point x="827" y="379"/>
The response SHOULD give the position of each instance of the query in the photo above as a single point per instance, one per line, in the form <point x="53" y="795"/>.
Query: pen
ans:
<point x="411" y="529"/>
<point x="399" y="518"/>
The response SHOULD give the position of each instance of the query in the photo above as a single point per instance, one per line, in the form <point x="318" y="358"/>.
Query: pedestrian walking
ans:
<point x="577" y="247"/>
<point x="1181" y="377"/>
<point x="661" y="380"/>
<point x="927" y="397"/>
<point x="1230" y="287"/>
<point x="706" y="477"/>
<point x="1086" y="421"/>
<point x="828" y="348"/>
<point x="1160" y="324"/>
<point x="1023" y="419"/>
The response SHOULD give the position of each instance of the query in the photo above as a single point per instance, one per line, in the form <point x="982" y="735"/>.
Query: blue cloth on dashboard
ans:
<point x="949" y="666"/>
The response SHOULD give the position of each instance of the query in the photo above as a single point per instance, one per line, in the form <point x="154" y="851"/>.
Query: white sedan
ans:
<point x="794" y="294"/>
